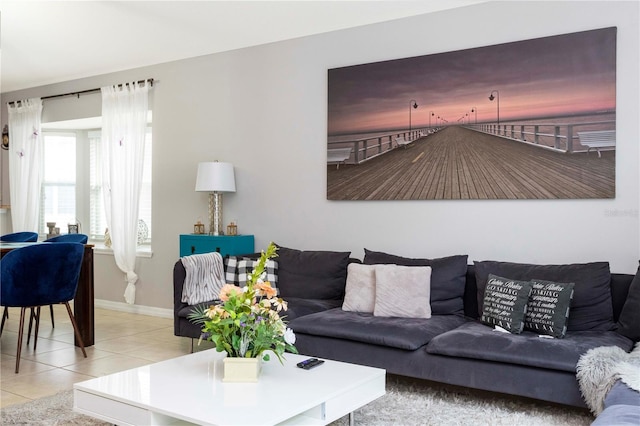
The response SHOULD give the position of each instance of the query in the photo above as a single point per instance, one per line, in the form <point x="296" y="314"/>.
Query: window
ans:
<point x="58" y="195"/>
<point x="65" y="196"/>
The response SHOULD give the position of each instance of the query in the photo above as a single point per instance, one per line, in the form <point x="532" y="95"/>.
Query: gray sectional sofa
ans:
<point x="621" y="407"/>
<point x="452" y="346"/>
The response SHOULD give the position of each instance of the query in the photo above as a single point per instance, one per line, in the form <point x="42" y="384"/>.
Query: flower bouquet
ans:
<point x="247" y="322"/>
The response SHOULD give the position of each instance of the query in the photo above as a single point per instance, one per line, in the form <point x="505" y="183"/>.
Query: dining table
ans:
<point x="83" y="302"/>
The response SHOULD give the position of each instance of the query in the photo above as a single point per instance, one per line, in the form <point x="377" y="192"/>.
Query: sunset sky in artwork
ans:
<point x="546" y="77"/>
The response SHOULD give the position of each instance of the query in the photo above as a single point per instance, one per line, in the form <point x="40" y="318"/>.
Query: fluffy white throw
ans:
<point x="204" y="278"/>
<point x="599" y="368"/>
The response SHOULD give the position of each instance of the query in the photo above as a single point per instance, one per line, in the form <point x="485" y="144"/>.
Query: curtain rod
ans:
<point x="83" y="92"/>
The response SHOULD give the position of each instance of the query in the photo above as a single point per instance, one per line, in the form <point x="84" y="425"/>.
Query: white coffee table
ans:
<point x="189" y="390"/>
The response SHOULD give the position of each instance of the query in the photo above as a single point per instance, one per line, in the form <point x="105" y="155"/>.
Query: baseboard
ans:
<point x="134" y="309"/>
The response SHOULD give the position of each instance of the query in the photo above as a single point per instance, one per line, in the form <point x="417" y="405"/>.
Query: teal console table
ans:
<point x="226" y="245"/>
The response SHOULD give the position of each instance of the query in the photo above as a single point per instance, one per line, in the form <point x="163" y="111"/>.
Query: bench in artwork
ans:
<point x="402" y="142"/>
<point x="598" y="139"/>
<point x="338" y="155"/>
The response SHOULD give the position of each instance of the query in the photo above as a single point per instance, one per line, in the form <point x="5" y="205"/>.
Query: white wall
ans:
<point x="264" y="109"/>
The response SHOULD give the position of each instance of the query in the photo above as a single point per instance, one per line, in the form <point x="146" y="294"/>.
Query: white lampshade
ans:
<point x="215" y="177"/>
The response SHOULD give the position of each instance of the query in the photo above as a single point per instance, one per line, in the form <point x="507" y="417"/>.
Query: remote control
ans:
<point x="310" y="363"/>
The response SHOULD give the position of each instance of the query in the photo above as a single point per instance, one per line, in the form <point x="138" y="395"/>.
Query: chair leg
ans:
<point x="53" y="324"/>
<point x="5" y="315"/>
<point x="20" y="332"/>
<point x="75" y="328"/>
<point x="35" y="335"/>
<point x="31" y="318"/>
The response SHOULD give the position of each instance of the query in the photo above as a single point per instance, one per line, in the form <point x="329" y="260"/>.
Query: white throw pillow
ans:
<point x="403" y="291"/>
<point x="360" y="291"/>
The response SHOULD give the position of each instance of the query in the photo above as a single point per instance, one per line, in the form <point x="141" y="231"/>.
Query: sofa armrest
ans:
<point x="621" y="406"/>
<point x="179" y="274"/>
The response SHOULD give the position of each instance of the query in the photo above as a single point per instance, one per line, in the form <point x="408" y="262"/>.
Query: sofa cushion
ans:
<point x="402" y="291"/>
<point x="312" y="274"/>
<point x="477" y="341"/>
<point x="505" y="303"/>
<point x="622" y="394"/>
<point x="621" y="407"/>
<point x="360" y="291"/>
<point x="403" y="333"/>
<point x="629" y="320"/>
<point x="548" y="308"/>
<point x="619" y="415"/>
<point x="591" y="308"/>
<point x="297" y="307"/>
<point x="187" y="309"/>
<point x="448" y="278"/>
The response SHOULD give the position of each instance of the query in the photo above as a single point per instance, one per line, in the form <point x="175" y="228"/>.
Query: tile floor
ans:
<point x="122" y="341"/>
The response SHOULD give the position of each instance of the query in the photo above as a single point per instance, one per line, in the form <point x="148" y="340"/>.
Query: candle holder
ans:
<point x="198" y="228"/>
<point x="232" y="229"/>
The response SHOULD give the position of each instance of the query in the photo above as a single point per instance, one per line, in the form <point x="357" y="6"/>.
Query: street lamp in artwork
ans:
<point x="475" y="110"/>
<point x="431" y="114"/>
<point x="414" y="105"/>
<point x="497" y="97"/>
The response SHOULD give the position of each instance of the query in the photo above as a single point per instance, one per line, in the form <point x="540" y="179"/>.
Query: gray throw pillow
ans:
<point x="312" y="274"/>
<point x="402" y="291"/>
<point x="548" y="308"/>
<point x="448" y="278"/>
<point x="505" y="303"/>
<point x="360" y="293"/>
<point x="629" y="320"/>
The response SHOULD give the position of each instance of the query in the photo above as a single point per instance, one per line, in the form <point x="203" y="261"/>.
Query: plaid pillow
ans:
<point x="237" y="269"/>
<point x="231" y="270"/>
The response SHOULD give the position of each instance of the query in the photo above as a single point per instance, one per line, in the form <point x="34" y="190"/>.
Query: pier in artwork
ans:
<point x="461" y="163"/>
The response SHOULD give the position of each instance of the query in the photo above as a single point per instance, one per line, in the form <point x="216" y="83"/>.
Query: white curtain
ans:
<point x="124" y="122"/>
<point x="25" y="163"/>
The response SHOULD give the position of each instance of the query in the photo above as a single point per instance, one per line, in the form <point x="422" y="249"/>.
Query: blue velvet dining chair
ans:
<point x="68" y="238"/>
<point x="41" y="275"/>
<point x="20" y="237"/>
<point x="17" y="237"/>
<point x="64" y="238"/>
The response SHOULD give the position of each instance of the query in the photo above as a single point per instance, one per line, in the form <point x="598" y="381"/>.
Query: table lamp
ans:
<point x="215" y="177"/>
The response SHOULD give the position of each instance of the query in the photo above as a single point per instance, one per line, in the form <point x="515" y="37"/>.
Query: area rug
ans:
<point x="412" y="402"/>
<point x="51" y="410"/>
<point x="408" y="402"/>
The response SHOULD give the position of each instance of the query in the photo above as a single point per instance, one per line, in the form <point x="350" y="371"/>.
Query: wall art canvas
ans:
<point x="531" y="119"/>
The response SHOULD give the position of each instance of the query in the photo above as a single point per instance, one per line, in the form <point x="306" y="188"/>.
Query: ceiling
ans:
<point x="45" y="42"/>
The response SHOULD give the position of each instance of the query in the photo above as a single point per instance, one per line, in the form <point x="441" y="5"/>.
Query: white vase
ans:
<point x="241" y="370"/>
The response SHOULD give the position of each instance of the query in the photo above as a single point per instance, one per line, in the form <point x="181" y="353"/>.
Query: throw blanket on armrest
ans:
<point x="599" y="368"/>
<point x="204" y="277"/>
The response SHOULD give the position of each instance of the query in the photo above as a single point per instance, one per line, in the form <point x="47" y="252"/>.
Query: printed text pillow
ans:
<point x="505" y="303"/>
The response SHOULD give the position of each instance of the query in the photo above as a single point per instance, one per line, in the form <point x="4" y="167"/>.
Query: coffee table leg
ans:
<point x="352" y="419"/>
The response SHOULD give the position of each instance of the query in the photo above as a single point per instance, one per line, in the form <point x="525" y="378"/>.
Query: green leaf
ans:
<point x="197" y="314"/>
